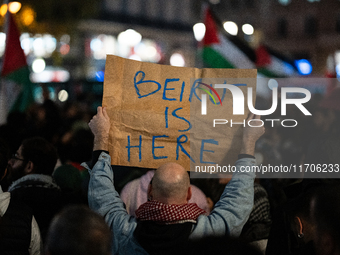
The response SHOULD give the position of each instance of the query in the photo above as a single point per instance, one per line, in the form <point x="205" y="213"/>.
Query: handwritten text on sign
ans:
<point x="152" y="107"/>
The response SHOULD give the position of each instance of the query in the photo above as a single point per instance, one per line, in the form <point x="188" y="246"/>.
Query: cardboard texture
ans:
<point x="155" y="113"/>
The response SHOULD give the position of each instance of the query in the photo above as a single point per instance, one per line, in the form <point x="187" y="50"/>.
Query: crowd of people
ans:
<point x="59" y="193"/>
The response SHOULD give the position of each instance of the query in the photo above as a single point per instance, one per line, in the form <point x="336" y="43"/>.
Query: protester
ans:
<point x="325" y="203"/>
<point x="78" y="231"/>
<point x="19" y="232"/>
<point x="166" y="222"/>
<point x="293" y="231"/>
<point x="325" y="208"/>
<point x="30" y="174"/>
<point x="300" y="221"/>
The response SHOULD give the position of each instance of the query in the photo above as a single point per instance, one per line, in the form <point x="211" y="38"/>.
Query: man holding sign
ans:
<point x="157" y="113"/>
<point x="166" y="222"/>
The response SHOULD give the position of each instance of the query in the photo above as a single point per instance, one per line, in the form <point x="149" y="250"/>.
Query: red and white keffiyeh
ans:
<point x="168" y="214"/>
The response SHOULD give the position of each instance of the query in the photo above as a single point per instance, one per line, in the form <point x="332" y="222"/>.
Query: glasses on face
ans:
<point x="15" y="156"/>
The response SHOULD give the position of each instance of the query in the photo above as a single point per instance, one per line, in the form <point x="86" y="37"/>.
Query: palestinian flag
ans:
<point x="16" y="89"/>
<point x="220" y="51"/>
<point x="223" y="51"/>
<point x="272" y="64"/>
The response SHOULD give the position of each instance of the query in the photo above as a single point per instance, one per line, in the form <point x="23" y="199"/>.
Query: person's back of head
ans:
<point x="77" y="230"/>
<point x="41" y="153"/>
<point x="170" y="184"/>
<point x="68" y="178"/>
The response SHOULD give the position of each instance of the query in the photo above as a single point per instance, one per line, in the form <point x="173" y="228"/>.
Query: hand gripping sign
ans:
<point x="155" y="112"/>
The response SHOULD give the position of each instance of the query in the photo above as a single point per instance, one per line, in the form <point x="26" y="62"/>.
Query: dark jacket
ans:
<point x="42" y="195"/>
<point x="15" y="229"/>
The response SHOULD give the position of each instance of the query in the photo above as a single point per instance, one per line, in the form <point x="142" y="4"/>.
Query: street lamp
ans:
<point x="199" y="31"/>
<point x="230" y="27"/>
<point x="14" y="7"/>
<point x="248" y="29"/>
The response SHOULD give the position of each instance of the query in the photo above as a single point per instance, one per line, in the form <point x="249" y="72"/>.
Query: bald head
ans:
<point x="171" y="184"/>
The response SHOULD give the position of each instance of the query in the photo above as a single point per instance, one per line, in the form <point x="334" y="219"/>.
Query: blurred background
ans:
<point x="66" y="42"/>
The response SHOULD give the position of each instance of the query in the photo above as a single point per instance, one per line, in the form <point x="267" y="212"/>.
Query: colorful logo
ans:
<point x="209" y="93"/>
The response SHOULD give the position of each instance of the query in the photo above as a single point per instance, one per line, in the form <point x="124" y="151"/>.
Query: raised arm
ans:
<point x="232" y="210"/>
<point x="251" y="135"/>
<point x="102" y="196"/>
<point x="100" y="127"/>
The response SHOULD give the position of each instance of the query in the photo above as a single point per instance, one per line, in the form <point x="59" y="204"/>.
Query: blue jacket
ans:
<point x="228" y="217"/>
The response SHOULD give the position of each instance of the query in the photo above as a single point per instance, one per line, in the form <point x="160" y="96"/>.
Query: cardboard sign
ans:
<point x="155" y="113"/>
